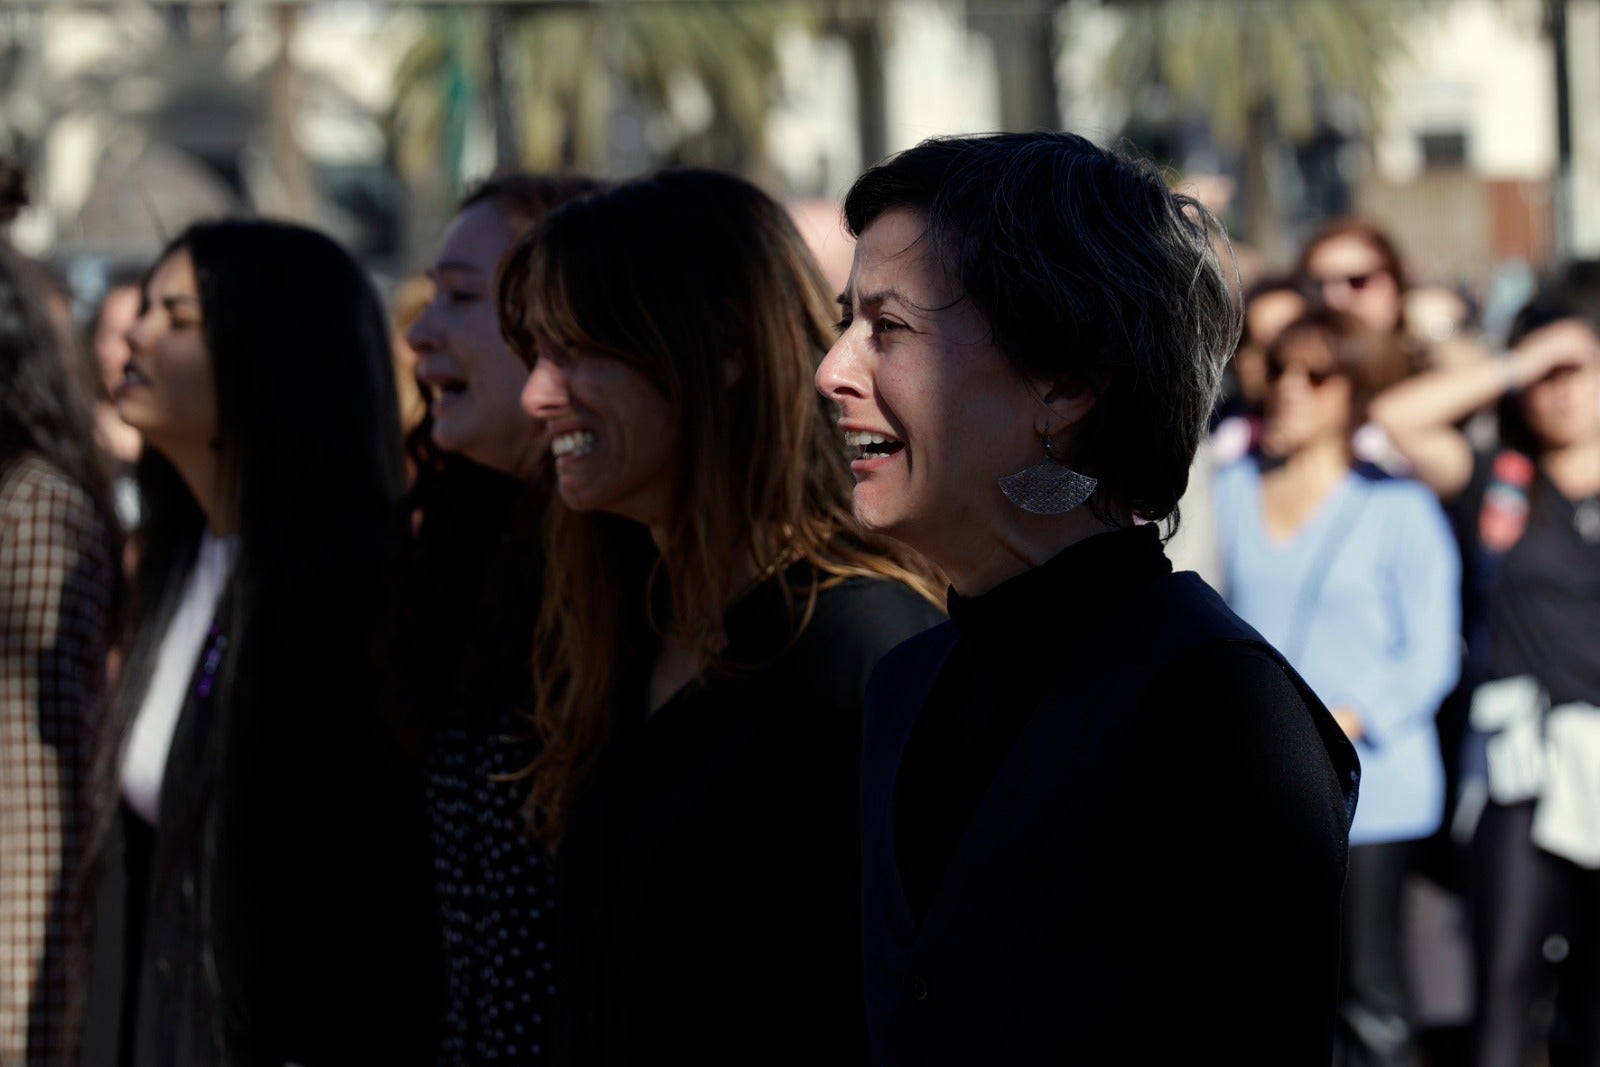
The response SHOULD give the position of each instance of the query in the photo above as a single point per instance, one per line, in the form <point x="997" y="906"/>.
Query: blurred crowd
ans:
<point x="239" y="475"/>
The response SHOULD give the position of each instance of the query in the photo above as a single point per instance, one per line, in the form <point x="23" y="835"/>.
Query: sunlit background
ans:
<point x="1470" y="129"/>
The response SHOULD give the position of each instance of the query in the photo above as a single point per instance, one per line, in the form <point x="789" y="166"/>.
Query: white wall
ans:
<point x="1482" y="67"/>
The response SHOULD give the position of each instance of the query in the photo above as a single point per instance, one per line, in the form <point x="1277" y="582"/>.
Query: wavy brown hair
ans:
<point x="683" y="275"/>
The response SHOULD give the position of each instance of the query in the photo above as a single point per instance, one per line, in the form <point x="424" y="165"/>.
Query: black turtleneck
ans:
<point x="1183" y="799"/>
<point x="1012" y="641"/>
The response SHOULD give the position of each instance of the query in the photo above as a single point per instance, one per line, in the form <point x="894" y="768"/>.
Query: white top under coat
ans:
<point x="144" y="761"/>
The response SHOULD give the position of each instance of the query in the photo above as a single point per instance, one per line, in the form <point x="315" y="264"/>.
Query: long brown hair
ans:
<point x="684" y="275"/>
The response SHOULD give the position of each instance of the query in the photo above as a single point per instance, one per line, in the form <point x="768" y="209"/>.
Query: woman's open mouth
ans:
<point x="872" y="445"/>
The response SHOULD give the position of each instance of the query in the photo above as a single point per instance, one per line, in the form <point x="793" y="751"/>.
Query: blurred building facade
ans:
<point x="139" y="116"/>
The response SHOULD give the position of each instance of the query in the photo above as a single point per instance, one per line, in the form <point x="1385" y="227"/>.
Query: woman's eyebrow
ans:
<point x="875" y="298"/>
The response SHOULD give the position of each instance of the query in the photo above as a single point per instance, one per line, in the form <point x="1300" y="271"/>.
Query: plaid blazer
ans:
<point x="57" y="587"/>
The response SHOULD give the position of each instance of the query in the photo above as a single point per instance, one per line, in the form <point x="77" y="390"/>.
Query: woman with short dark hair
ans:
<point x="1095" y="783"/>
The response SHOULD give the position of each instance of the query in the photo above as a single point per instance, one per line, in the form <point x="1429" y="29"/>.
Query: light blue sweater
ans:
<point x="1364" y="600"/>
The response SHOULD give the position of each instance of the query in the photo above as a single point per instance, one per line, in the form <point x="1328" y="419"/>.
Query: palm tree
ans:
<point x="599" y="85"/>
<point x="1258" y="70"/>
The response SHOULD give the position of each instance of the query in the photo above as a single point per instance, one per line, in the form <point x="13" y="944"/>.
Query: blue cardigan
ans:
<point x="1364" y="600"/>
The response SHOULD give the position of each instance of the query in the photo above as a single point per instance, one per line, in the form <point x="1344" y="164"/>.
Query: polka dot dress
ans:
<point x="495" y="891"/>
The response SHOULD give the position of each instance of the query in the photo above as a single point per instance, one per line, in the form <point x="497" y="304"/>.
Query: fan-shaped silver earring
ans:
<point x="1049" y="487"/>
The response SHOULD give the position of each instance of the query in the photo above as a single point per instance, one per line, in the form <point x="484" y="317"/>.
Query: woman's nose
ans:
<point x="545" y="392"/>
<point x="421" y="334"/>
<point x="839" y="374"/>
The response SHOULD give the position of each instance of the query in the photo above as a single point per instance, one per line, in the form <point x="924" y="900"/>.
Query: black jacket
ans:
<point x="281" y="911"/>
<point x="708" y="879"/>
<point x="1173" y="812"/>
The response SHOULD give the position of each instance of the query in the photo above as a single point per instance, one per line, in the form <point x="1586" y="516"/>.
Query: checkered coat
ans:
<point x="57" y="582"/>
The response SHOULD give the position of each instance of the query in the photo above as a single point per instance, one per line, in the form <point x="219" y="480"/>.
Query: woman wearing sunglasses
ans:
<point x="1353" y="575"/>
<point x="1352" y="266"/>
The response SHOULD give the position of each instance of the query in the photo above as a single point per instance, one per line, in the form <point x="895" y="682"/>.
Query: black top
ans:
<point x="1012" y="638"/>
<point x="495" y="891"/>
<point x="1531" y="598"/>
<point x="280" y="912"/>
<point x="1103" y="822"/>
<point x="707" y="883"/>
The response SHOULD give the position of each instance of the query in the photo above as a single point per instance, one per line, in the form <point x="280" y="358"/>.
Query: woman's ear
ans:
<point x="1062" y="406"/>
<point x="732" y="371"/>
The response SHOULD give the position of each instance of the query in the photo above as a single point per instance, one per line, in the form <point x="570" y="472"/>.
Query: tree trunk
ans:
<point x="1023" y="34"/>
<point x="507" y="154"/>
<point x="1261" y="192"/>
<point x="864" y="33"/>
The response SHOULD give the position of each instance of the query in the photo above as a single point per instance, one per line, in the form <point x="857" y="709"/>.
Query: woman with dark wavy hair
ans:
<point x="255" y="871"/>
<point x="711" y="614"/>
<point x="1095" y="783"/>
<point x="58" y="595"/>
<point x="460" y="662"/>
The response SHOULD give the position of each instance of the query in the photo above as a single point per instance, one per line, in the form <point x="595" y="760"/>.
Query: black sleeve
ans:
<point x="1240" y="831"/>
<point x="854" y="627"/>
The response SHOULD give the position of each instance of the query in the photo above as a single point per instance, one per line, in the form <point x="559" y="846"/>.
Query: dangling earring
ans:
<point x="1049" y="487"/>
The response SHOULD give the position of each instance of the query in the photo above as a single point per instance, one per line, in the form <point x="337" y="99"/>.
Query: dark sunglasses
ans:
<point x="1317" y="378"/>
<point x="1355" y="282"/>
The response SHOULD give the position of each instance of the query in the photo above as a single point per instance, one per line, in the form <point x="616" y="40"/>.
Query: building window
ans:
<point x="1443" y="149"/>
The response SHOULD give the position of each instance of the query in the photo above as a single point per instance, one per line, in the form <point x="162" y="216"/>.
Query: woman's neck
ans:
<point x="1575" y="469"/>
<point x="116" y="437"/>
<point x="200" y="468"/>
<point x="1322" y="461"/>
<point x="1011" y="542"/>
<point x="1294" y="486"/>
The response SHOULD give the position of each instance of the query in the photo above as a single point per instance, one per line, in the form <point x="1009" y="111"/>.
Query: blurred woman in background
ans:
<point x="59" y="583"/>
<point x="1351" y="265"/>
<point x="710" y="619"/>
<point x="460" y="661"/>
<point x="1354" y="576"/>
<point x="255" y="872"/>
<point x="1528" y="516"/>
<point x="106" y="354"/>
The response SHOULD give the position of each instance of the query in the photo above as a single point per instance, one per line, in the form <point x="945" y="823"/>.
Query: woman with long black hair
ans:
<point x="255" y="869"/>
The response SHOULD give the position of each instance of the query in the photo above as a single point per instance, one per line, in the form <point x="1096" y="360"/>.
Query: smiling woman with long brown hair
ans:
<point x="710" y="619"/>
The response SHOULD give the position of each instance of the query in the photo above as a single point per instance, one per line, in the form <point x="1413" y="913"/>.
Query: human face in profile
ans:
<point x="168" y="390"/>
<point x="932" y="412"/>
<point x="472" y="377"/>
<point x="612" y="431"/>
<point x="119" y="310"/>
